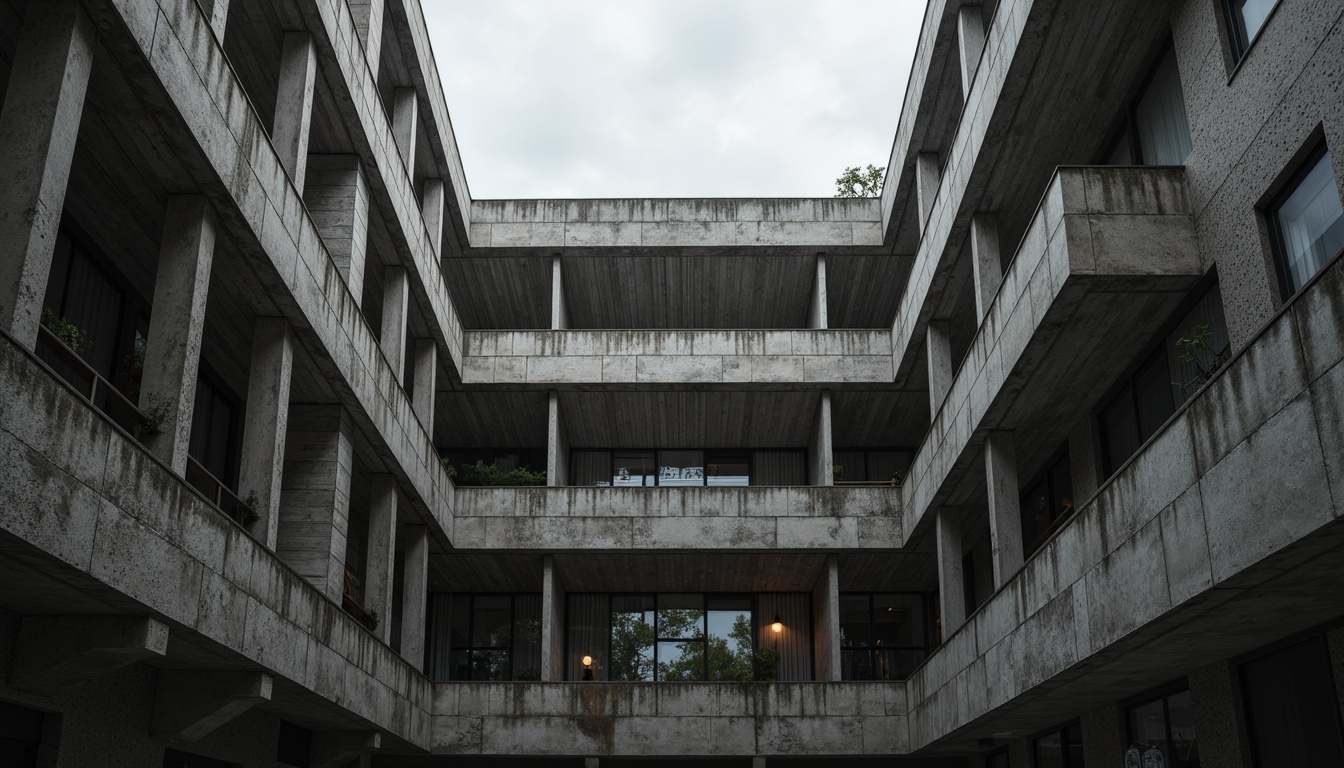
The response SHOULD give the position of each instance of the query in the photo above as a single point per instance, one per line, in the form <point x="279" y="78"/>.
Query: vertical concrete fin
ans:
<point x="368" y="15"/>
<point x="336" y="193"/>
<point x="1005" y="522"/>
<point x="382" y="552"/>
<point x="433" y="211"/>
<point x="405" y="123"/>
<point x="263" y="456"/>
<point x="425" y="374"/>
<point x="557" y="444"/>
<point x="986" y="266"/>
<point x="552" y="622"/>
<point x="396" y="299"/>
<point x="938" y="350"/>
<point x="826" y="613"/>
<point x="217" y="11"/>
<point x="315" y="496"/>
<point x="190" y="704"/>
<point x="559" y="311"/>
<point x="414" y="594"/>
<point x="951" y="579"/>
<point x="928" y="170"/>
<point x="52" y="653"/>
<point x="817" y="314"/>
<point x="823" y="456"/>
<point x="970" y="43"/>
<point x="294" y="104"/>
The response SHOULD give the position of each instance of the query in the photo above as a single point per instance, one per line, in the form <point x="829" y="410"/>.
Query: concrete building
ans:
<point x="1037" y="460"/>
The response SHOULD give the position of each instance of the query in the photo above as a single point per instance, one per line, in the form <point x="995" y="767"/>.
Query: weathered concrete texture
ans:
<point x="647" y="518"/>
<point x="266" y="425"/>
<point x="674" y="357"/>
<point x="336" y="194"/>
<point x="315" y="496"/>
<point x="294" y="105"/>
<point x="652" y="719"/>
<point x="826" y="618"/>
<point x="52" y="653"/>
<point x="414" y="598"/>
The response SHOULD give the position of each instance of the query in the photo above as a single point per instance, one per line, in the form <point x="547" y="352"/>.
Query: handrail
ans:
<point x="88" y="382"/>
<point x="219" y="494"/>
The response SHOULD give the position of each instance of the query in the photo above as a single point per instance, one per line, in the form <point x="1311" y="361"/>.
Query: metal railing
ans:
<point x="219" y="494"/>
<point x="79" y="374"/>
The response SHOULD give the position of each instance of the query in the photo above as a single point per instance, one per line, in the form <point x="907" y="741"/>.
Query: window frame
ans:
<point x="1060" y="729"/>
<point x="1161" y="693"/>
<point x="926" y="603"/>
<point x="470" y="648"/>
<point x="1278" y="248"/>
<point x="1047" y="475"/>
<point x="1128" y="124"/>
<point x="1239" y="43"/>
<point x="1318" y="634"/>
<point x="705" y="598"/>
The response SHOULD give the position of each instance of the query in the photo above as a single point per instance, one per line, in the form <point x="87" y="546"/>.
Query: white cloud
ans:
<point x="671" y="98"/>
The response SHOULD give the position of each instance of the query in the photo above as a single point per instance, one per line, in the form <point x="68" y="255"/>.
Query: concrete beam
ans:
<point x="432" y="209"/>
<point x="217" y="11"/>
<point x="951" y="579"/>
<point x="396" y="298"/>
<point x="986" y="265"/>
<point x="39" y="123"/>
<point x="190" y="704"/>
<point x="928" y="172"/>
<point x="335" y="749"/>
<point x="817" y="314"/>
<point x="826" y="631"/>
<point x="559" y="311"/>
<point x="336" y="193"/>
<point x="557" y="444"/>
<point x="57" y="652"/>
<point x="294" y="105"/>
<point x="414" y="594"/>
<point x="368" y="15"/>
<point x="1005" y="519"/>
<point x="173" y="351"/>
<point x="382" y="553"/>
<point x="315" y="496"/>
<point x="970" y="43"/>
<point x="263" y="456"/>
<point x="405" y="125"/>
<point x="425" y="377"/>
<point x="552" y="621"/>
<point x="938" y="349"/>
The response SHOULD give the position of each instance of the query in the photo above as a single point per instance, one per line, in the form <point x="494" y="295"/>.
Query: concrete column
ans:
<point x="817" y="314"/>
<point x="928" y="171"/>
<point x="294" y="104"/>
<point x="53" y="653"/>
<point x="986" y="267"/>
<point x="217" y="11"/>
<point x="826" y="614"/>
<point x="368" y="15"/>
<point x="557" y="445"/>
<point x="1005" y="520"/>
<point x="315" y="496"/>
<point x="336" y="193"/>
<point x="396" y="295"/>
<point x="559" y="310"/>
<point x="39" y="123"/>
<point x="1084" y="461"/>
<point x="552" y="622"/>
<point x="1215" y="696"/>
<point x="263" y="459"/>
<point x="951" y="580"/>
<point x="414" y="594"/>
<point x="173" y="350"/>
<point x="970" y="43"/>
<point x="823" y="461"/>
<point x="191" y="704"/>
<point x="1104" y="735"/>
<point x="938" y="350"/>
<point x="425" y="374"/>
<point x="433" y="211"/>
<point x="405" y="122"/>
<point x="382" y="554"/>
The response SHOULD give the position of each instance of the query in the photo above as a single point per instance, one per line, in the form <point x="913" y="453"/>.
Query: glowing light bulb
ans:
<point x="587" y="661"/>
<point x="777" y="626"/>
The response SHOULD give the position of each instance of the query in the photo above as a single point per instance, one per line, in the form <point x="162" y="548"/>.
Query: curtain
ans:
<point x="93" y="302"/>
<point x="779" y="468"/>
<point x="438" y="636"/>
<point x="794" y="643"/>
<point x="883" y="464"/>
<point x="589" y="626"/>
<point x="590" y="467"/>
<point x="527" y="637"/>
<point x="853" y="466"/>
<point x="1164" y="134"/>
<point x="1312" y="223"/>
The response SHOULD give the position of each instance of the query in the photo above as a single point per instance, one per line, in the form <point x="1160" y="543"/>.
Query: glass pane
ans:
<point x="589" y="620"/>
<point x="1251" y="15"/>
<point x="1119" y="430"/>
<point x="1035" y="511"/>
<point x="997" y="760"/>
<point x="93" y="302"/>
<point x="855" y="622"/>
<point x="1061" y="489"/>
<point x="896" y="664"/>
<point x="459" y="666"/>
<point x="632" y="638"/>
<point x="1073" y="745"/>
<point x="461" y="620"/>
<point x="1152" y="391"/>
<point x="1164" y="134"/>
<point x="1292" y="713"/>
<point x="883" y="465"/>
<point x="1203" y="345"/>
<point x="681" y="617"/>
<point x="1181" y="732"/>
<point x="489" y="665"/>
<point x="590" y="467"/>
<point x="853" y="465"/>
<point x="1050" y="751"/>
<point x="527" y="637"/>
<point x="681" y="468"/>
<point x="632" y="468"/>
<point x="491" y="622"/>
<point x="856" y="664"/>
<point x="779" y="468"/>
<point x="730" y="647"/>
<point x="728" y="469"/>
<point x="898" y="621"/>
<point x="681" y="661"/>
<point x="1147" y="727"/>
<point x="1311" y="224"/>
<point x="1120" y="153"/>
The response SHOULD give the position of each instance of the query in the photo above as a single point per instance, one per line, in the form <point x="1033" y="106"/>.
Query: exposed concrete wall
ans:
<point x="267" y="423"/>
<point x="557" y="444"/>
<point x="337" y="196"/>
<point x="315" y="496"/>
<point x="820" y="448"/>
<point x="826" y="618"/>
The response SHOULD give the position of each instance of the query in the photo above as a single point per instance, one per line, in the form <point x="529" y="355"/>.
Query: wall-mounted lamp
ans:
<point x="587" y="667"/>
<point x="777" y="626"/>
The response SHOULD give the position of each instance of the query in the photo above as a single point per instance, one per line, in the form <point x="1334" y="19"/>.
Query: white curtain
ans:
<point x="1164" y="133"/>
<point x="589" y="628"/>
<point x="779" y="468"/>
<point x="794" y="643"/>
<point x="590" y="467"/>
<point x="438" y="638"/>
<point x="1312" y="223"/>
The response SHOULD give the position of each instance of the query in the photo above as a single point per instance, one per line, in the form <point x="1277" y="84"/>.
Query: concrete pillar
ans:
<point x="382" y="554"/>
<point x="820" y="449"/>
<point x="826" y="614"/>
<point x="1084" y="461"/>
<point x="191" y="704"/>
<point x="1104" y="735"/>
<point x="425" y="375"/>
<point x="951" y="580"/>
<point x="557" y="445"/>
<point x="39" y="123"/>
<point x="294" y="104"/>
<point x="552" y="622"/>
<point x="315" y="496"/>
<point x="53" y="653"/>
<point x="263" y="460"/>
<point x="559" y="310"/>
<point x="1215" y="696"/>
<point x="368" y="15"/>
<point x="817" y="314"/>
<point x="938" y="350"/>
<point x="336" y="193"/>
<point x="405" y="122"/>
<point x="986" y="267"/>
<point x="217" y="11"/>
<point x="928" y="171"/>
<point x="173" y="350"/>
<point x="433" y="211"/>
<point x="396" y="295"/>
<point x="1005" y="520"/>
<point x="414" y="594"/>
<point x="970" y="43"/>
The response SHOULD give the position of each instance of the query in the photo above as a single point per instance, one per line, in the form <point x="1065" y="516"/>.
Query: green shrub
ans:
<point x="71" y="335"/>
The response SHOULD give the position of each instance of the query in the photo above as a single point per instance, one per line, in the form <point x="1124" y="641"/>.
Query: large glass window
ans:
<point x="1165" y="724"/>
<point x="1156" y="131"/>
<point x="1292" y="712"/>
<point x="1245" y="18"/>
<point x="858" y="465"/>
<point x="1046" y="504"/>
<point x="883" y="636"/>
<point x="1060" y="749"/>
<point x="495" y="637"/>
<point x="1308" y="224"/>
<point x="212" y="430"/>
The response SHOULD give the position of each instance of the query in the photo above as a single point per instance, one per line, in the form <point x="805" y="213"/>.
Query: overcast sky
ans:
<point x="671" y="98"/>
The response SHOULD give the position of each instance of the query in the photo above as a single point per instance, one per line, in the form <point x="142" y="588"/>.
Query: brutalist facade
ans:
<point x="309" y="459"/>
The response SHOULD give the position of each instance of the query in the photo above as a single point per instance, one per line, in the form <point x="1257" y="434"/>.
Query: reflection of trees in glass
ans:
<point x="729" y="657"/>
<point x="631" y="647"/>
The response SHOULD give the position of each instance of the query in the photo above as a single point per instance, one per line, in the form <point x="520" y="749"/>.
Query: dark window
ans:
<point x="1245" y="18"/>
<point x="1307" y="223"/>
<point x="968" y="583"/>
<point x="883" y="636"/>
<point x="997" y="759"/>
<point x="857" y="465"/>
<point x="1292" y="712"/>
<point x="495" y="637"/>
<point x="687" y="468"/>
<point x="294" y="745"/>
<point x="1166" y="724"/>
<point x="1046" y="504"/>
<point x="213" y="425"/>
<point x="20" y="735"/>
<point x="1061" y="749"/>
<point x="1155" y="131"/>
<point x="81" y="291"/>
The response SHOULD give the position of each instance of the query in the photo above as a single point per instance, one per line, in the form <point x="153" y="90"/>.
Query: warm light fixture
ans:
<point x="777" y="626"/>
<point x="587" y="661"/>
<point x="588" y="668"/>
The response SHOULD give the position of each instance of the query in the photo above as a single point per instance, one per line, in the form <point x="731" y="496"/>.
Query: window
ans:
<point x="494" y="637"/>
<point x="20" y="735"/>
<point x="871" y="466"/>
<point x="882" y="636"/>
<point x="1046" y="504"/>
<point x="1156" y="131"/>
<point x="1245" y="18"/>
<point x="688" y="468"/>
<point x="1292" y="712"/>
<point x="213" y="427"/>
<point x="1307" y="224"/>
<point x="1166" y="724"/>
<point x="1060" y="749"/>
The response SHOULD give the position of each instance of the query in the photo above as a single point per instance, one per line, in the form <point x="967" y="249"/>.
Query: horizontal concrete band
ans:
<point x="662" y="357"/>
<point x="80" y="497"/>
<point x="638" y="719"/>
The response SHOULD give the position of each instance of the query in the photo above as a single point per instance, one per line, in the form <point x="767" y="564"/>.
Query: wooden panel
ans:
<point x="500" y="293"/>
<point x="491" y="419"/>
<point x="879" y="419"/>
<point x="864" y="291"/>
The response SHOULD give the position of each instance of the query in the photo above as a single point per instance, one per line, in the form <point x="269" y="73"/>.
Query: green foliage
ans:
<point x="860" y="183"/>
<point x="1197" y="349"/>
<point x="482" y="474"/>
<point x="71" y="335"/>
